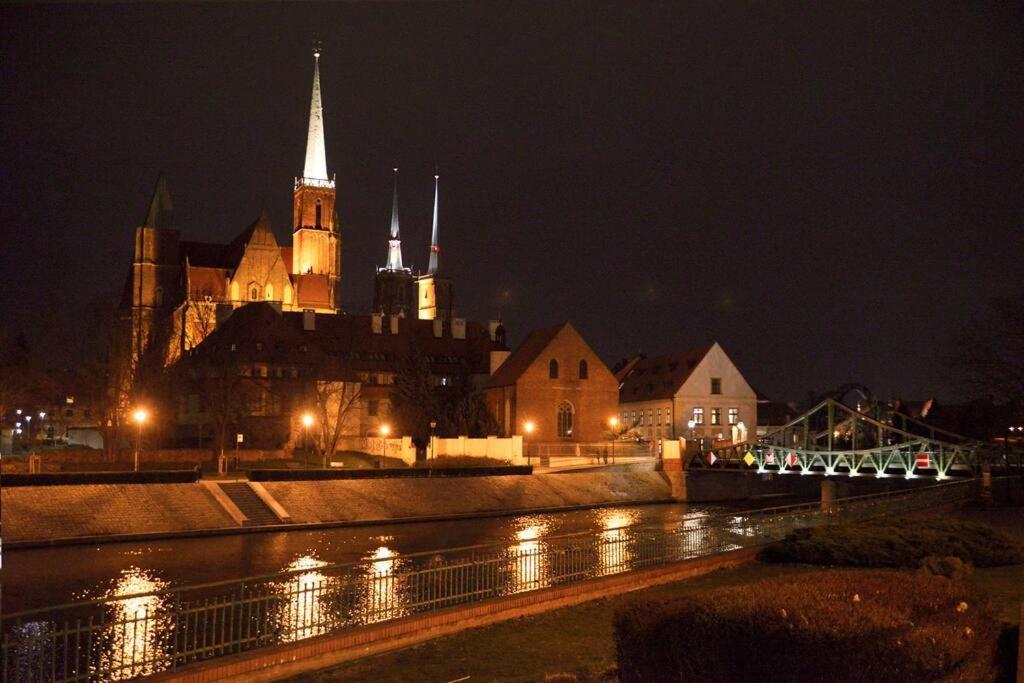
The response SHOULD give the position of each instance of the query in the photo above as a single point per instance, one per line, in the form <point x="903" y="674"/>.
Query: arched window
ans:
<point x="553" y="369"/>
<point x="270" y="291"/>
<point x="254" y="292"/>
<point x="287" y="294"/>
<point x="158" y="296"/>
<point x="565" y="414"/>
<point x="318" y="213"/>
<point x="583" y="369"/>
<point x="234" y="291"/>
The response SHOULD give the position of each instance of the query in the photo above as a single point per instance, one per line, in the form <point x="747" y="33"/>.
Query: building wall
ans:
<point x="696" y="392"/>
<point x="537" y="397"/>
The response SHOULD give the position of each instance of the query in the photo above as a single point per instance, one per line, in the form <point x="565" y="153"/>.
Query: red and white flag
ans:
<point x="769" y="457"/>
<point x="711" y="458"/>
<point x="791" y="459"/>
<point x="922" y="461"/>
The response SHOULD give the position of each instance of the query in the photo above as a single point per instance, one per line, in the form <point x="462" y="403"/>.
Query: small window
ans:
<point x="318" y="213"/>
<point x="553" y="369"/>
<point x="371" y="407"/>
<point x="716" y="385"/>
<point x="659" y="417"/>
<point x="698" y="415"/>
<point x="583" y="369"/>
<point x="734" y="416"/>
<point x="716" y="416"/>
<point x="254" y="293"/>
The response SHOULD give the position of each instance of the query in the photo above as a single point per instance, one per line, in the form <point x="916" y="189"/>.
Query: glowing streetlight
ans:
<point x="613" y="425"/>
<point x="141" y="415"/>
<point x="528" y="427"/>
<point x="385" y="430"/>
<point x="307" y="420"/>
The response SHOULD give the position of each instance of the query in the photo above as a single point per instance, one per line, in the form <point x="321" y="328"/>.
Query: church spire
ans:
<point x="435" y="248"/>
<point x="316" y="155"/>
<point x="395" y="241"/>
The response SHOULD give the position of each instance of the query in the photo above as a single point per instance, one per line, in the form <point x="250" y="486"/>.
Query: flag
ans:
<point x="749" y="458"/>
<point x="711" y="458"/>
<point x="791" y="459"/>
<point x="922" y="461"/>
<point x="770" y="457"/>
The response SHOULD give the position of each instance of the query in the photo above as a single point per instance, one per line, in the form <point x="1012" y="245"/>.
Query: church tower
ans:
<point x="156" y="272"/>
<point x="394" y="286"/>
<point x="316" y="233"/>
<point x="433" y="291"/>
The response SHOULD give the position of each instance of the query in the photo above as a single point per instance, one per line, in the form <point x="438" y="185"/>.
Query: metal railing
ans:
<point x="128" y="636"/>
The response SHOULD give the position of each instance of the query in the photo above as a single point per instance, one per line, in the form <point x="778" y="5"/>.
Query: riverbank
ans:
<point x="579" y="639"/>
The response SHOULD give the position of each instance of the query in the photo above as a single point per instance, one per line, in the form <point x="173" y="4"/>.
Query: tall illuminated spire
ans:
<point x="395" y="241"/>
<point x="316" y="154"/>
<point x="435" y="248"/>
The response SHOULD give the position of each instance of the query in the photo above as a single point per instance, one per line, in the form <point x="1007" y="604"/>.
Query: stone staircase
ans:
<point x="251" y="505"/>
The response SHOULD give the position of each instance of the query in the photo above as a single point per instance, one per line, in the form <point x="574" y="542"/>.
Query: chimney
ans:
<point x="497" y="358"/>
<point x="377" y="323"/>
<point x="394" y="324"/>
<point x="458" y="328"/>
<point x="308" y="319"/>
<point x="438" y="328"/>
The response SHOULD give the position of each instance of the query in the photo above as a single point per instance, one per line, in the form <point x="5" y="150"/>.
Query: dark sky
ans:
<point x="831" y="190"/>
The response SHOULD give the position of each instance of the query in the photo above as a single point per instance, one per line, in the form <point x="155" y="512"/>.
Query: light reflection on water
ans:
<point x="303" y="609"/>
<point x="384" y="596"/>
<point x="136" y="625"/>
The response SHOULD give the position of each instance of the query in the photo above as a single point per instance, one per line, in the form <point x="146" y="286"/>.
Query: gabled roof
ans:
<point x="660" y="377"/>
<point x="161" y="211"/>
<point x="524" y="356"/>
<point x="205" y="281"/>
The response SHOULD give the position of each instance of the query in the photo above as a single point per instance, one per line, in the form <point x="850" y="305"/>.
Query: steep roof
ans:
<point x="660" y="377"/>
<point x="161" y="210"/>
<point x="524" y="355"/>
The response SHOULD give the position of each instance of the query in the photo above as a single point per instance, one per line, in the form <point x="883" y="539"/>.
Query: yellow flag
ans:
<point x="749" y="458"/>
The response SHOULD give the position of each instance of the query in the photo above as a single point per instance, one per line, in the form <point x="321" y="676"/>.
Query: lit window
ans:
<point x="698" y="415"/>
<point x="583" y="369"/>
<point x="553" y="369"/>
<point x="734" y="416"/>
<point x="565" y="414"/>
<point x="716" y="385"/>
<point x="716" y="416"/>
<point x="659" y="417"/>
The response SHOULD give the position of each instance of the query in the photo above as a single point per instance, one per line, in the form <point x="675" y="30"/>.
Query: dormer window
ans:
<point x="553" y="369"/>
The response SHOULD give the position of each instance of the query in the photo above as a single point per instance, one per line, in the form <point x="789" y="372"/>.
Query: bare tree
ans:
<point x="336" y="402"/>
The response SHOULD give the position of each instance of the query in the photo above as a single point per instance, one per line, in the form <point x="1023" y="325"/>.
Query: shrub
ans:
<point x="898" y="544"/>
<point x="446" y="461"/>
<point x="950" y="567"/>
<point x="823" y="626"/>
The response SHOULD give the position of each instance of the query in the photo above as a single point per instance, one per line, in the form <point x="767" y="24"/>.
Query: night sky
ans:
<point x="831" y="190"/>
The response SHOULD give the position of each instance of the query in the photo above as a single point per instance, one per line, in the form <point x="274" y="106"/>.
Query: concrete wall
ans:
<point x="510" y="449"/>
<point x="58" y="512"/>
<point x="56" y="461"/>
<point x="362" y="499"/>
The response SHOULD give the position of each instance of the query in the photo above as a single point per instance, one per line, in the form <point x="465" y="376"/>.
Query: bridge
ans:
<point x="836" y="440"/>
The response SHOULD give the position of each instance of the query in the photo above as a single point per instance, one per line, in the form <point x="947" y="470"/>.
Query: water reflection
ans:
<point x="383" y="596"/>
<point x="615" y="553"/>
<point x="136" y="626"/>
<point x="304" y="613"/>
<point x="529" y="561"/>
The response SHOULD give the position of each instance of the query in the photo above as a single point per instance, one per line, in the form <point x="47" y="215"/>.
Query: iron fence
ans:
<point x="143" y="633"/>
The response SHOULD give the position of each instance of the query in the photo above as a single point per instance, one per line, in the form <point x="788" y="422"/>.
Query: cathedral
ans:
<point x="178" y="291"/>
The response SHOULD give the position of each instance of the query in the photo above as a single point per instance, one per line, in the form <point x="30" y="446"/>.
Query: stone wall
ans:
<point x="68" y="459"/>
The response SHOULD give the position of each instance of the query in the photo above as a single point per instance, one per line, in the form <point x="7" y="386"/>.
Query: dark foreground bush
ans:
<point x="898" y="544"/>
<point x="447" y="461"/>
<point x="840" y="625"/>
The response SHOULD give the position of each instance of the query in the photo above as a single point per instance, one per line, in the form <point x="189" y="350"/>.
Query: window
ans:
<point x="254" y="293"/>
<point x="698" y="415"/>
<point x="259" y="346"/>
<point x="583" y="369"/>
<point x="318" y="213"/>
<point x="650" y="417"/>
<point x="734" y="416"/>
<point x="716" y="416"/>
<point x="371" y="407"/>
<point x="553" y="369"/>
<point x="659" y="417"/>
<point x="716" y="385"/>
<point x="565" y="414"/>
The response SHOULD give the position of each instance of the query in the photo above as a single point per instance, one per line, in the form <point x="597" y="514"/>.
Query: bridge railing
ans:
<point x="144" y="633"/>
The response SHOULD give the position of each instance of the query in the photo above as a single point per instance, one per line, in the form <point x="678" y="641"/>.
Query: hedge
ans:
<point x="897" y="544"/>
<point x="403" y="473"/>
<point x="73" y="478"/>
<point x="840" y="625"/>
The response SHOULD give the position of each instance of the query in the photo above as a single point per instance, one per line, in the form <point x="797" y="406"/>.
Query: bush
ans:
<point x="898" y="544"/>
<point x="446" y="461"/>
<point x="950" y="567"/>
<point x="822" y="626"/>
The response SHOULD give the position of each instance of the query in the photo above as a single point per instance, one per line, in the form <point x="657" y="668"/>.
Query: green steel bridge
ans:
<point x="834" y="439"/>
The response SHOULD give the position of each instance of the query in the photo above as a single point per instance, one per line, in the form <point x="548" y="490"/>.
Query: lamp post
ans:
<point x="431" y="455"/>
<point x="384" y="430"/>
<point x="613" y="424"/>
<point x="307" y="422"/>
<point x="140" y="416"/>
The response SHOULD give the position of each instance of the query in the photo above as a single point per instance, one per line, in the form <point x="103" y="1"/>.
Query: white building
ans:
<point x="695" y="394"/>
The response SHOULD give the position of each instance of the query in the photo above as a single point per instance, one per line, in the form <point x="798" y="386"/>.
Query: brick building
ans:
<point x="556" y="382"/>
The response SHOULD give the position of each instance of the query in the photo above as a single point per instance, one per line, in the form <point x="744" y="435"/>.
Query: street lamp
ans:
<point x="307" y="422"/>
<point x="613" y="424"/>
<point x="528" y="427"/>
<point x="384" y="430"/>
<point x="140" y="416"/>
<point x="433" y="426"/>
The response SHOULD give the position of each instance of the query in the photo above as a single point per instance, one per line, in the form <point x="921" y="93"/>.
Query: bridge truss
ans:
<point x="834" y="439"/>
